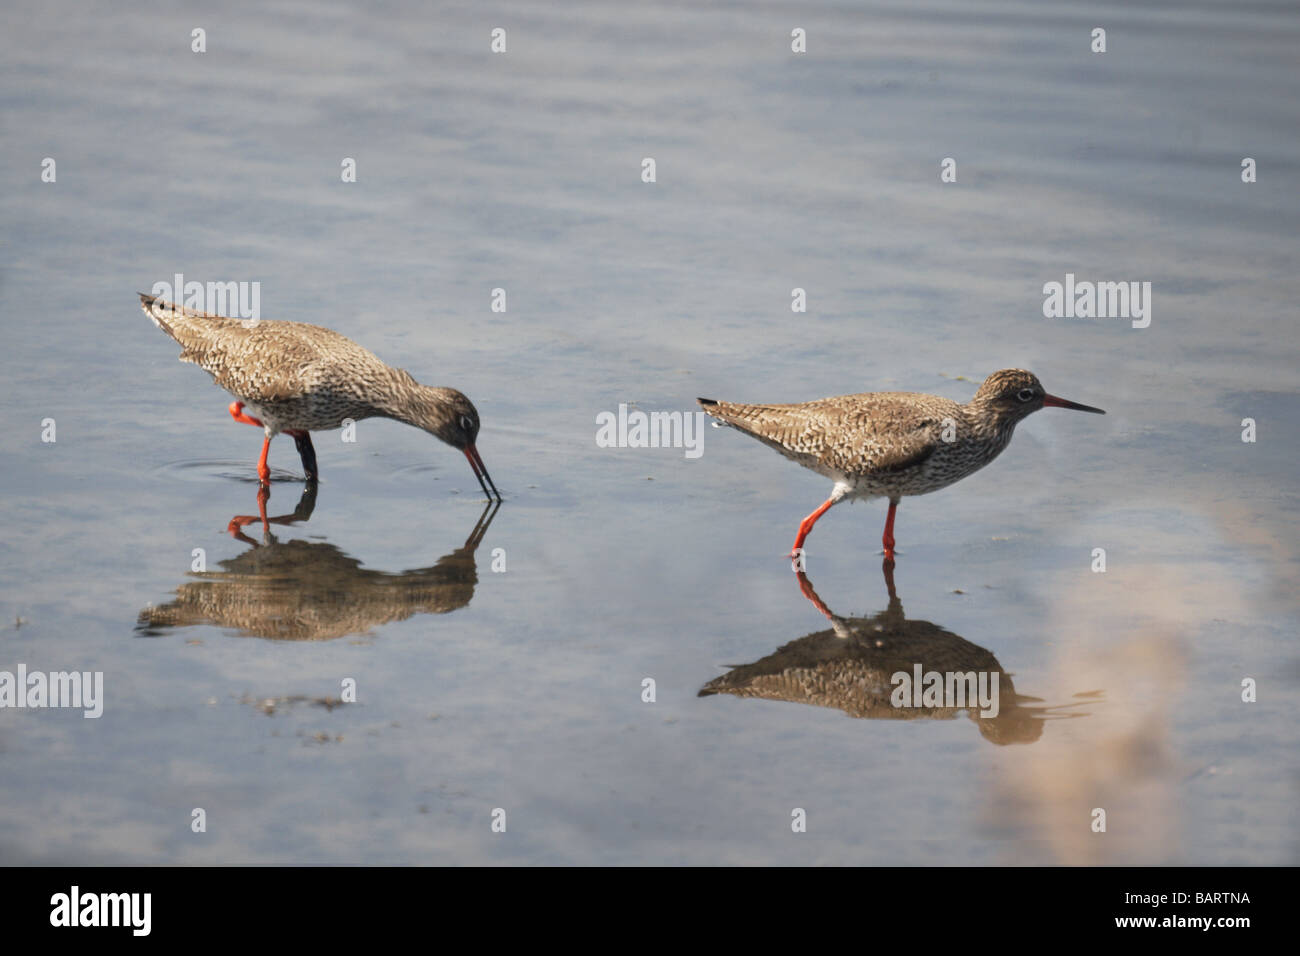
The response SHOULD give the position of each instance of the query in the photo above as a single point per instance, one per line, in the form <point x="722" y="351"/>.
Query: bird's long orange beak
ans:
<point x="481" y="472"/>
<point x="1066" y="403"/>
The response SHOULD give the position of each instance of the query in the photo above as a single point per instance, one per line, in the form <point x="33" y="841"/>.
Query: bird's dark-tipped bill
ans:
<point x="481" y="472"/>
<point x="1066" y="403"/>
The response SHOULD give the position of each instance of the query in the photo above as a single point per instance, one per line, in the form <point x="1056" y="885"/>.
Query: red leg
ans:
<point x="306" y="504"/>
<point x="887" y="539"/>
<point x="806" y="587"/>
<point x="263" y="470"/>
<point x="807" y="525"/>
<point x="239" y="521"/>
<point x="237" y="413"/>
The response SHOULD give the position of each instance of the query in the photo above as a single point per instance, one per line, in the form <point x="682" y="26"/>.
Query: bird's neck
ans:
<point x="424" y="406"/>
<point x="987" y="422"/>
<point x="402" y="397"/>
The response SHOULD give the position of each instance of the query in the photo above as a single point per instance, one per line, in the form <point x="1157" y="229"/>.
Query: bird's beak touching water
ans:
<point x="481" y="472"/>
<point x="1065" y="403"/>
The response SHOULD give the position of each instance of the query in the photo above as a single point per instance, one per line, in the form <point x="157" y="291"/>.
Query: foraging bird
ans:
<point x="297" y="378"/>
<point x="891" y="444"/>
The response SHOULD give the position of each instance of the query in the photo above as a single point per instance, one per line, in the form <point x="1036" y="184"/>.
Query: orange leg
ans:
<point x="887" y="539"/>
<point x="264" y="470"/>
<point x="240" y="521"/>
<point x="806" y="587"/>
<point x="306" y="504"/>
<point x="807" y="525"/>
<point x="237" y="413"/>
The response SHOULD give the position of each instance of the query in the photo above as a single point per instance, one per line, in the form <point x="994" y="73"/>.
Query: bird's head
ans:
<point x="452" y="417"/>
<point x="448" y="414"/>
<point x="1013" y="393"/>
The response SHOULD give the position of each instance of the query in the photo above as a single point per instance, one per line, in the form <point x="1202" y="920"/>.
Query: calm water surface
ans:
<point x="482" y="688"/>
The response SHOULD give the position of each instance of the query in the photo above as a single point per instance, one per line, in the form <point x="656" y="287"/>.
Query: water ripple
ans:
<point x="218" y="469"/>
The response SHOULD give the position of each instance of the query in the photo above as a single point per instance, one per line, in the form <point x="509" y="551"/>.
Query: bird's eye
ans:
<point x="1025" y="394"/>
<point x="466" y="423"/>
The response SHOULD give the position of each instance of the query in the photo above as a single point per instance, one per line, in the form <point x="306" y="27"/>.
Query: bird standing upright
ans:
<point x="297" y="378"/>
<point x="891" y="444"/>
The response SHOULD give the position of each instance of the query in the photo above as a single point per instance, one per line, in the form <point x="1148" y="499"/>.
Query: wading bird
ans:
<point x="297" y="378"/>
<point x="892" y="444"/>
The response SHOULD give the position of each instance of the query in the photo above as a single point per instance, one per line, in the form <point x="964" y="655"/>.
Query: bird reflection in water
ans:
<point x="850" y="668"/>
<point x="310" y="590"/>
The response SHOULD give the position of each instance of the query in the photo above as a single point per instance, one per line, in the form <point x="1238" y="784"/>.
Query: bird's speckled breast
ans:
<point x="949" y="462"/>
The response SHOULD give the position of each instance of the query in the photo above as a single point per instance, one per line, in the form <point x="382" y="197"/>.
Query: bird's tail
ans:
<point x="714" y="410"/>
<point x="737" y="415"/>
<point x="168" y="315"/>
<point x="156" y="313"/>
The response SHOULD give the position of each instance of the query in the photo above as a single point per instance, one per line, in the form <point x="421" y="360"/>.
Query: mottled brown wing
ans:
<point x="263" y="361"/>
<point x="870" y="432"/>
<point x="258" y="364"/>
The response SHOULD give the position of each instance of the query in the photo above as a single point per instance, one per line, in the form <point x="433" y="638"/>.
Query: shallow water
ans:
<point x="521" y="689"/>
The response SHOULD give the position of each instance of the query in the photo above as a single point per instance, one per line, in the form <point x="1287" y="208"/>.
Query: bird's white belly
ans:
<point x="269" y="421"/>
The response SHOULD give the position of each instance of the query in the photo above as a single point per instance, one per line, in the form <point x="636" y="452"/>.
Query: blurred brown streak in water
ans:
<point x="1123" y="759"/>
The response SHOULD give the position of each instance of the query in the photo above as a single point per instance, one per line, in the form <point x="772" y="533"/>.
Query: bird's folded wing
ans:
<point x="852" y="434"/>
<point x="258" y="361"/>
